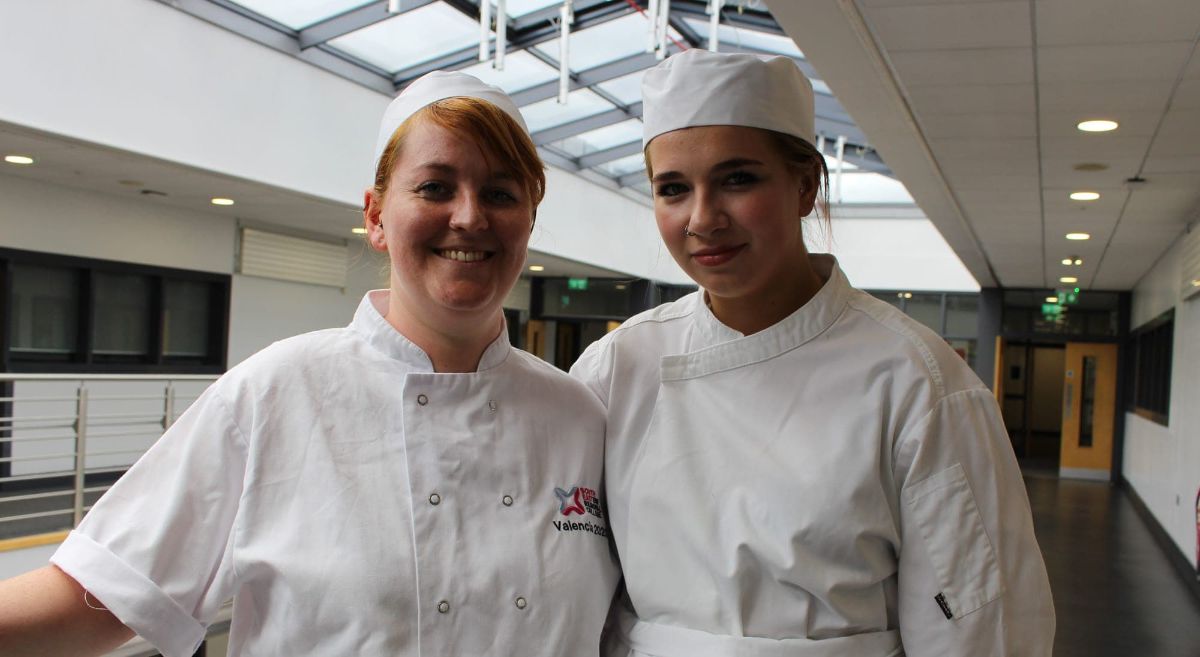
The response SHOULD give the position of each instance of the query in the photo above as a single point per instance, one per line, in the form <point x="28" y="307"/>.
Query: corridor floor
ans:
<point x="1115" y="592"/>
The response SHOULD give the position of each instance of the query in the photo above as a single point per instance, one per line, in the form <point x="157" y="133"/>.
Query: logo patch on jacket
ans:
<point x="582" y="502"/>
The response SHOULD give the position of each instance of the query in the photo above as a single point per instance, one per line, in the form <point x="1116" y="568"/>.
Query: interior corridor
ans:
<point x="1115" y="592"/>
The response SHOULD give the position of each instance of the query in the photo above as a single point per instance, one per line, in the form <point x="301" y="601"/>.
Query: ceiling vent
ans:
<point x="291" y="258"/>
<point x="1190" y="265"/>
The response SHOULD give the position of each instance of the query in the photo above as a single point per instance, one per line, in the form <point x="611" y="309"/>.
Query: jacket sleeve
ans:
<point x="154" y="549"/>
<point x="972" y="581"/>
<point x="593" y="369"/>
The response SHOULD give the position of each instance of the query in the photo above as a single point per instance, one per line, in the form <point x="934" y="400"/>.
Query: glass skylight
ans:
<point x="548" y="113"/>
<point x="521" y="71"/>
<point x="602" y="138"/>
<point x="728" y="34"/>
<point x="627" y="88"/>
<point x="299" y="14"/>
<point x="411" y="38"/>
<point x="606" y="42"/>
<point x="518" y="8"/>
<point x="623" y="166"/>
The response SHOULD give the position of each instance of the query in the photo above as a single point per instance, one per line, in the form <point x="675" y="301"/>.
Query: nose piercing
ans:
<point x="688" y="233"/>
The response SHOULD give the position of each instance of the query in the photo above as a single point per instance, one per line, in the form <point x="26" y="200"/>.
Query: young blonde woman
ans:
<point x="795" y="468"/>
<point x="408" y="485"/>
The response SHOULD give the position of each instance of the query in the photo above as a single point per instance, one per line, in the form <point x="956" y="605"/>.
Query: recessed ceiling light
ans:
<point x="1073" y="260"/>
<point x="1078" y="236"/>
<point x="908" y="295"/>
<point x="1084" y="196"/>
<point x="1196" y="282"/>
<point x="359" y="231"/>
<point x="620" y="286"/>
<point x="1091" y="166"/>
<point x="18" y="159"/>
<point x="222" y="201"/>
<point x="1068" y="279"/>
<point x="536" y="268"/>
<point x="1051" y="299"/>
<point x="1067" y="261"/>
<point x="1097" y="125"/>
<point x="1078" y="261"/>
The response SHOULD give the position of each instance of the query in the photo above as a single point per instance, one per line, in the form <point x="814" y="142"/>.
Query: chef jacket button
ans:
<point x="492" y="405"/>
<point x="443" y="607"/>
<point x="507" y="500"/>
<point x="520" y="603"/>
<point x="422" y="399"/>
<point x="435" y="499"/>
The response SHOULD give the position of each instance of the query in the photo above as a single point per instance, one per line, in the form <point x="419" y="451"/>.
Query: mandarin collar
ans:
<point x="369" y="322"/>
<point x="807" y="321"/>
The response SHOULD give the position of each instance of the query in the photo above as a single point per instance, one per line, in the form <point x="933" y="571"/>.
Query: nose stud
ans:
<point x="688" y="233"/>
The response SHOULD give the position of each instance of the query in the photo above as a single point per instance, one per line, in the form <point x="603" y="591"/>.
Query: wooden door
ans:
<point x="1089" y="409"/>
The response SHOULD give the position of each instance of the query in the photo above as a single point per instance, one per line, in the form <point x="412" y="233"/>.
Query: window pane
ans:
<point x="45" y="305"/>
<point x="521" y="71"/>
<point x="186" y="306"/>
<point x="625" y="165"/>
<point x="581" y="103"/>
<point x="122" y="309"/>
<point x="298" y="14"/>
<point x="411" y="38"/>
<point x="961" y="316"/>
<point x="616" y="39"/>
<point x="627" y="88"/>
<point x="601" y="139"/>
<point x="746" y="38"/>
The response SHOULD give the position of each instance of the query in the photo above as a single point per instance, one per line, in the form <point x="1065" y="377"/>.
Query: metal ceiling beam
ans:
<point x="588" y="78"/>
<point x="355" y="19"/>
<point x="593" y="122"/>
<point x="632" y="178"/>
<point x="609" y="154"/>
<point x="279" y="37"/>
<point x="750" y="20"/>
<point x="587" y="14"/>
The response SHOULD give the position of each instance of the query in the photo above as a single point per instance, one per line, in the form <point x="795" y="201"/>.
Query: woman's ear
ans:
<point x="373" y="220"/>
<point x="809" y="184"/>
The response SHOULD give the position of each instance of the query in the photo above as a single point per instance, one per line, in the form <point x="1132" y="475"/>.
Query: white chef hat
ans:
<point x="697" y="87"/>
<point x="435" y="86"/>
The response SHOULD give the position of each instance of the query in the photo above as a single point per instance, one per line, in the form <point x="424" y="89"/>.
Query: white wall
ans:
<point x="885" y="253"/>
<point x="1163" y="463"/>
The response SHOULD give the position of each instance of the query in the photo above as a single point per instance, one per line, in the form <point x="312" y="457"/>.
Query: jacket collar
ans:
<point x="717" y="347"/>
<point x="369" y="322"/>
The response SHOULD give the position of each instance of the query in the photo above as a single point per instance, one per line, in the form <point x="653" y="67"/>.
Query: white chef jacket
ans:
<point x="353" y="502"/>
<point x="837" y="485"/>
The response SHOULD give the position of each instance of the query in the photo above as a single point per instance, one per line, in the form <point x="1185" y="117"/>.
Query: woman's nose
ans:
<point x="469" y="214"/>
<point x="707" y="216"/>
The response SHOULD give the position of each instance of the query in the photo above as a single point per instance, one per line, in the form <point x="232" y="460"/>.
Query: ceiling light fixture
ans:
<point x="1084" y="196"/>
<point x="1051" y="299"/>
<point x="18" y="159"/>
<point x="1073" y="260"/>
<point x="1078" y="236"/>
<point x="1068" y="279"/>
<point x="359" y="231"/>
<point x="222" y="201"/>
<point x="1091" y="166"/>
<point x="536" y="268"/>
<point x="1196" y="282"/>
<point x="1097" y="125"/>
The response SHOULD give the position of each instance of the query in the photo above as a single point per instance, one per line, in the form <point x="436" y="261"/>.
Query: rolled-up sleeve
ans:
<point x="972" y="580"/>
<point x="155" y="548"/>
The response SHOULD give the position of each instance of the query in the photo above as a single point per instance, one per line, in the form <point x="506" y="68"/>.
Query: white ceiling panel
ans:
<point x="944" y="100"/>
<point x="1163" y="206"/>
<point x="961" y="179"/>
<point x="941" y="27"/>
<point x="1096" y="147"/>
<point x="1097" y="97"/>
<point x="1181" y="125"/>
<point x="1139" y="61"/>
<point x="966" y="67"/>
<point x="985" y="126"/>
<point x="1187" y="96"/>
<point x="895" y="3"/>
<point x="1064" y="122"/>
<point x="1108" y="22"/>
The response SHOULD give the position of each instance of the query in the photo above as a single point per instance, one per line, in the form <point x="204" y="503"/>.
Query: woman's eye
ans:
<point x="670" y="189"/>
<point x="433" y="189"/>
<point x="501" y="196"/>
<point x="741" y="178"/>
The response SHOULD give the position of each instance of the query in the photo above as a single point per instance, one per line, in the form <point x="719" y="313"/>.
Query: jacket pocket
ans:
<point x="944" y="509"/>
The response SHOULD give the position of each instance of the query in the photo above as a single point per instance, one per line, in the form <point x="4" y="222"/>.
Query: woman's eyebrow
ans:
<point x="732" y="163"/>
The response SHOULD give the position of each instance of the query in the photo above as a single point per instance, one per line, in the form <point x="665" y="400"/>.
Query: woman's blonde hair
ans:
<point x="482" y="123"/>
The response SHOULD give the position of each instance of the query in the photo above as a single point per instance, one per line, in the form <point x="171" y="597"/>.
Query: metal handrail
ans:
<point x="111" y="411"/>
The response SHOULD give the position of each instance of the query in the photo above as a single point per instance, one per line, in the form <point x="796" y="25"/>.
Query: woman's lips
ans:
<point x="717" y="255"/>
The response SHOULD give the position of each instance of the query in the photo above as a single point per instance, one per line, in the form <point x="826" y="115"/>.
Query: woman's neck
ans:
<point x="451" y="349"/>
<point x="751" y="313"/>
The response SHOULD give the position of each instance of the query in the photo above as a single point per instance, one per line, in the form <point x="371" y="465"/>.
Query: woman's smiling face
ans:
<point x="455" y="223"/>
<point x="739" y="202"/>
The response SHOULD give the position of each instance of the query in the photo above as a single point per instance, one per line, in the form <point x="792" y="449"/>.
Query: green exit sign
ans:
<point x="577" y="283"/>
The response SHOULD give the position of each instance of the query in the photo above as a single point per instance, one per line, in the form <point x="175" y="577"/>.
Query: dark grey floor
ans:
<point x="1115" y="592"/>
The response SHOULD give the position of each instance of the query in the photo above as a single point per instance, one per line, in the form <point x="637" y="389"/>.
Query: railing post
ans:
<point x="81" y="410"/>
<point x="169" y="406"/>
